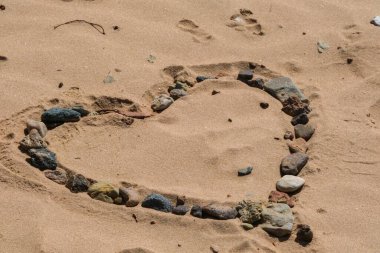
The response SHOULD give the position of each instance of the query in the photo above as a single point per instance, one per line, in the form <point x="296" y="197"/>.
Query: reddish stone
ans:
<point x="293" y="106"/>
<point x="281" y="197"/>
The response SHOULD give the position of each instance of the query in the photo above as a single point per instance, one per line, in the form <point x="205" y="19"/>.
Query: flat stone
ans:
<point x="161" y="103"/>
<point x="249" y="211"/>
<point x="177" y="93"/>
<point x="157" y="202"/>
<point x="77" y="183"/>
<point x="304" y="234"/>
<point x="246" y="171"/>
<point x="282" y="88"/>
<point x="278" y="219"/>
<point x="180" y="210"/>
<point x="288" y="135"/>
<point x="293" y="106"/>
<point x="300" y="119"/>
<point x="32" y="140"/>
<point x="59" y="176"/>
<point x="376" y="21"/>
<point x="289" y="183"/>
<point x="130" y="196"/>
<point x="60" y="115"/>
<point x="246" y="226"/>
<point x="292" y="164"/>
<point x="196" y="211"/>
<point x="43" y="159"/>
<point x="245" y="75"/>
<point x="38" y="125"/>
<point x="298" y="145"/>
<point x="103" y="191"/>
<point x="281" y="197"/>
<point x="83" y="112"/>
<point x="304" y="131"/>
<point x="219" y="212"/>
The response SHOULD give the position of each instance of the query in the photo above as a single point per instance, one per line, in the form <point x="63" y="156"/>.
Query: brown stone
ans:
<point x="293" y="106"/>
<point x="130" y="196"/>
<point x="32" y="141"/>
<point x="59" y="176"/>
<point x="281" y="197"/>
<point x="298" y="145"/>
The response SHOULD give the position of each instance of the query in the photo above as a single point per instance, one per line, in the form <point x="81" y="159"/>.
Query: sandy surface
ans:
<point x="189" y="149"/>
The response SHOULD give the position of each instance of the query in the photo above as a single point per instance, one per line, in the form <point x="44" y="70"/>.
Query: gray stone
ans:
<point x="161" y="103"/>
<point x="304" y="234"/>
<point x="282" y="88"/>
<point x="59" y="176"/>
<point x="245" y="171"/>
<point x="289" y="183"/>
<point x="249" y="211"/>
<point x="288" y="135"/>
<point x="157" y="202"/>
<point x="293" y="163"/>
<point x="245" y="75"/>
<point x="177" y="93"/>
<point x="60" y="115"/>
<point x="278" y="219"/>
<point x="83" y="112"/>
<point x="32" y="140"/>
<point x="130" y="196"/>
<point x="196" y="211"/>
<point x="304" y="131"/>
<point x="38" y="125"/>
<point x="43" y="159"/>
<point x="180" y="210"/>
<point x="78" y="183"/>
<point x="219" y="212"/>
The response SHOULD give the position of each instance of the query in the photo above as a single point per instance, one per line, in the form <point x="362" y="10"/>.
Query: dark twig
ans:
<point x="136" y="115"/>
<point x="98" y="27"/>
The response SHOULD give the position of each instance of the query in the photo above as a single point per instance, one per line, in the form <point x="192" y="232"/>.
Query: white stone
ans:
<point x="289" y="183"/>
<point x="376" y="21"/>
<point x="38" y="125"/>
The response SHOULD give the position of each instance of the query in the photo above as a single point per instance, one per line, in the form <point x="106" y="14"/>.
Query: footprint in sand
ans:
<point x="244" y="22"/>
<point x="199" y="35"/>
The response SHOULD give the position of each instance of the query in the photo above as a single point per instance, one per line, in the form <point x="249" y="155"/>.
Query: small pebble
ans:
<point x="245" y="75"/>
<point x="161" y="103"/>
<point x="152" y="222"/>
<point x="229" y="120"/>
<point x="247" y="226"/>
<point x="180" y="210"/>
<point x="376" y="21"/>
<point x="264" y="105"/>
<point x="300" y="119"/>
<point x="196" y="211"/>
<point x="245" y="171"/>
<point x="60" y="85"/>
<point x="3" y="58"/>
<point x="214" y="92"/>
<point x="256" y="83"/>
<point x="349" y="60"/>
<point x="2" y="7"/>
<point x="115" y="27"/>
<point x="304" y="234"/>
<point x="288" y="135"/>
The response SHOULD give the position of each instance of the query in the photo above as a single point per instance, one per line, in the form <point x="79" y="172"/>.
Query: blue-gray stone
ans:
<point x="180" y="210"/>
<point x="43" y="159"/>
<point x="83" y="112"/>
<point x="202" y="78"/>
<point x="283" y="88"/>
<point x="60" y="115"/>
<point x="245" y="75"/>
<point x="157" y="202"/>
<point x="245" y="171"/>
<point x="196" y="211"/>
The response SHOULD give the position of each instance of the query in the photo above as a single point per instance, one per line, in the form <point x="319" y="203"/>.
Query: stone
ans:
<point x="256" y="83"/>
<point x="215" y="92"/>
<point x="283" y="88"/>
<point x="246" y="171"/>
<point x="322" y="46"/>
<point x="177" y="93"/>
<point x="293" y="106"/>
<point x="245" y="75"/>
<point x="185" y="76"/>
<point x="77" y="183"/>
<point x="196" y="211"/>
<point x="300" y="119"/>
<point x="264" y="105"/>
<point x="292" y="164"/>
<point x="32" y="140"/>
<point x="290" y="183"/>
<point x="298" y="145"/>
<point x="83" y="112"/>
<point x="278" y="219"/>
<point x="130" y="196"/>
<point x="249" y="211"/>
<point x="103" y="191"/>
<point x="214" y="249"/>
<point x="219" y="212"/>
<point x="304" y="234"/>
<point x="376" y="21"/>
<point x="38" y="125"/>
<point x="59" y="176"/>
<point x="288" y="135"/>
<point x="157" y="202"/>
<point x="43" y="159"/>
<point x="281" y="197"/>
<point x="180" y="200"/>
<point x="180" y="210"/>
<point x="161" y="103"/>
<point x="246" y="226"/>
<point x="200" y="79"/>
<point x="60" y="115"/>
<point x="304" y="131"/>
<point x="179" y="86"/>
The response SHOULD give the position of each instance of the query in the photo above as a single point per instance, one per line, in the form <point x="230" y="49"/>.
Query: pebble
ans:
<point x="290" y="183"/>
<point x="60" y="115"/>
<point x="298" y="145"/>
<point x="376" y="21"/>
<point x="130" y="196"/>
<point x="245" y="75"/>
<point x="180" y="210"/>
<point x="293" y="106"/>
<point x="214" y="92"/>
<point x="177" y="93"/>
<point x="161" y="103"/>
<point x="83" y="112"/>
<point x="214" y="249"/>
<point x="180" y="200"/>
<point x="349" y="60"/>
<point x="202" y="78"/>
<point x="157" y="202"/>
<point x="38" y="125"/>
<point x="283" y="88"/>
<point x="219" y="212"/>
<point x="304" y="234"/>
<point x="264" y="105"/>
<point x="32" y="140"/>
<point x="103" y="191"/>
<point x="43" y="159"/>
<point x="246" y="171"/>
<point x="178" y="85"/>
<point x="288" y="135"/>
<point x="281" y="197"/>
<point x="77" y="183"/>
<point x="59" y="176"/>
<point x="304" y="131"/>
<point x="322" y="46"/>
<point x="196" y="211"/>
<point x="292" y="164"/>
<point x="278" y="219"/>
<point x="249" y="211"/>
<point x="300" y="119"/>
<point x="246" y="226"/>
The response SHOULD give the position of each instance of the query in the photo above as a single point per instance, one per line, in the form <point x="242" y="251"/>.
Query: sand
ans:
<point x="191" y="148"/>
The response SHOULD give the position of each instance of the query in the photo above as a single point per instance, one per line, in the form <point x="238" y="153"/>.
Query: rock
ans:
<point x="289" y="183"/>
<point x="304" y="234"/>
<point x="245" y="75"/>
<point x="83" y="112"/>
<point x="219" y="212"/>
<point x="214" y="249"/>
<point x="161" y="102"/>
<point x="196" y="211"/>
<point x="43" y="159"/>
<point x="264" y="105"/>
<point x="179" y="86"/>
<point x="304" y="131"/>
<point x="293" y="106"/>
<point x="293" y="163"/>
<point x="215" y="92"/>
<point x="130" y="196"/>
<point x="180" y="210"/>
<point x="322" y="46"/>
<point x="200" y="79"/>
<point x="38" y="125"/>
<point x="281" y="197"/>
<point x="278" y="219"/>
<point x="157" y="202"/>
<point x="300" y="119"/>
<point x="249" y="211"/>
<point x="298" y="145"/>
<point x="103" y="191"/>
<point x="349" y="60"/>
<point x="32" y="140"/>
<point x="283" y="88"/>
<point x="247" y="226"/>
<point x="109" y="79"/>
<point x="376" y="21"/>
<point x="245" y="171"/>
<point x="77" y="183"/>
<point x="180" y="200"/>
<point x="256" y="83"/>
<point x="60" y="115"/>
<point x="185" y="76"/>
<point x="177" y="93"/>
<point x="288" y="135"/>
<point x="59" y="176"/>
